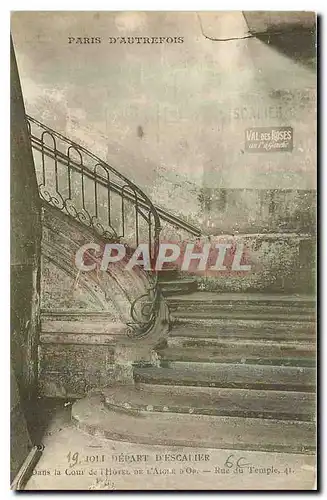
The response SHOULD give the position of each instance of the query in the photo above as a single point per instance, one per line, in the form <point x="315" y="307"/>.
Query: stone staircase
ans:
<point x="237" y="372"/>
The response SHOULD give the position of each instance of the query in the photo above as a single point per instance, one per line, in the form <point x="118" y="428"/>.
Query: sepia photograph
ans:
<point x="163" y="250"/>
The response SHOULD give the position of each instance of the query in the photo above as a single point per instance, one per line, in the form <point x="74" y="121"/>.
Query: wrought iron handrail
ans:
<point x="91" y="168"/>
<point x="75" y="201"/>
<point x="164" y="215"/>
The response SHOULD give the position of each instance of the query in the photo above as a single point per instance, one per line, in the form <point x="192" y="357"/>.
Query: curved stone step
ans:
<point x="222" y="375"/>
<point x="220" y="402"/>
<point x="243" y="306"/>
<point x="202" y="330"/>
<point x="204" y="431"/>
<point x="197" y="312"/>
<point x="254" y="352"/>
<point x="246" y="299"/>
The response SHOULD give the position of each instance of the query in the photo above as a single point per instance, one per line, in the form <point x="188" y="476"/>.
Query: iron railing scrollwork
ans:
<point x="80" y="184"/>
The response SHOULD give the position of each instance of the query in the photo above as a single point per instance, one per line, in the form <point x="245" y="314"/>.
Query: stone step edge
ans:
<point x="282" y="354"/>
<point x="149" y="393"/>
<point x="246" y="298"/>
<point x="91" y="416"/>
<point x="202" y="375"/>
<point x="237" y="315"/>
<point x="177" y="343"/>
<point x="246" y="360"/>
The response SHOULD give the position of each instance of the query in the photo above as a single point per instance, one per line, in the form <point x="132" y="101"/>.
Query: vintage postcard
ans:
<point x="163" y="250"/>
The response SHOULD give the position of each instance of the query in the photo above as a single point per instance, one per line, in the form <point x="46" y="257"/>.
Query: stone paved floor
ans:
<point x="73" y="460"/>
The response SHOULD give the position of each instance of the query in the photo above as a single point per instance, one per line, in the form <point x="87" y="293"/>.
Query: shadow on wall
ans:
<point x="293" y="34"/>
